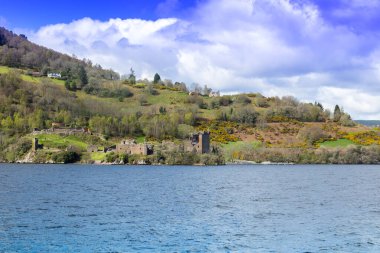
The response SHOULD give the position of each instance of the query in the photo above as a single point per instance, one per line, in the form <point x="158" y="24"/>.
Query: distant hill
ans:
<point x="368" y="122"/>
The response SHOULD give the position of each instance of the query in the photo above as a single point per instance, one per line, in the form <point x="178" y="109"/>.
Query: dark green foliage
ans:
<point x="3" y="40"/>
<point x="66" y="157"/>
<point x="23" y="146"/>
<point x="113" y="157"/>
<point x="107" y="93"/>
<point x="162" y="110"/>
<point x="83" y="76"/>
<point x="71" y="85"/>
<point x="156" y="78"/>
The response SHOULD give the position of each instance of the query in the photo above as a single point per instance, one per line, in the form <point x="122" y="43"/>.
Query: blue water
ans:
<point x="80" y="208"/>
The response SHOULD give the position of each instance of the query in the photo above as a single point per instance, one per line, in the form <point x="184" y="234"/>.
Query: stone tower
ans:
<point x="201" y="142"/>
<point x="35" y="144"/>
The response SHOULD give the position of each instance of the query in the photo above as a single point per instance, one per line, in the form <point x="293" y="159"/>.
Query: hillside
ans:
<point x="161" y="113"/>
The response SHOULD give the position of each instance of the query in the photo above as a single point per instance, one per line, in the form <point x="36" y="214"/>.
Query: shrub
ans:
<point x="245" y="115"/>
<point x="312" y="134"/>
<point x="225" y="101"/>
<point x="151" y="91"/>
<point x="243" y="99"/>
<point x="107" y="93"/>
<point x="113" y="157"/>
<point x="66" y="157"/>
<point x="261" y="102"/>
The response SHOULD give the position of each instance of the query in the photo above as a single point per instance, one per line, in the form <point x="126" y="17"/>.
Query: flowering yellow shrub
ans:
<point x="220" y="131"/>
<point x="365" y="138"/>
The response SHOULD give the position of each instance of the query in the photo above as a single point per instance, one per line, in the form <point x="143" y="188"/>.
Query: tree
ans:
<point x="73" y="86"/>
<point x="156" y="78"/>
<point x="7" y="122"/>
<point x="245" y="115"/>
<point x="66" y="157"/>
<point x="319" y="105"/>
<point x="337" y="113"/>
<point x="346" y="120"/>
<point x="83" y="76"/>
<point x="3" y="40"/>
<point x="312" y="134"/>
<point x="132" y="77"/>
<point x="243" y="99"/>
<point x="206" y="91"/>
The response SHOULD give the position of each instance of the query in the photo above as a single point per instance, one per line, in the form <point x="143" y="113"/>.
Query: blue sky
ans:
<point x="358" y="14"/>
<point x="325" y="50"/>
<point x="34" y="14"/>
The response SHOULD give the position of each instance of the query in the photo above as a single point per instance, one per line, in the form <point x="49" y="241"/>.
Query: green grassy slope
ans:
<point x="341" y="143"/>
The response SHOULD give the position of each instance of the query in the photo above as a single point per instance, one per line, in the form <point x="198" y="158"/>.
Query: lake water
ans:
<point x="81" y="208"/>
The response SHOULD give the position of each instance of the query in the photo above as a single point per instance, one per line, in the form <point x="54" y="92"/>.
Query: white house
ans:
<point x="54" y="75"/>
<point x="214" y="94"/>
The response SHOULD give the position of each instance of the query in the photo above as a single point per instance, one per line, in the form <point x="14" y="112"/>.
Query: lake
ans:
<point x="239" y="208"/>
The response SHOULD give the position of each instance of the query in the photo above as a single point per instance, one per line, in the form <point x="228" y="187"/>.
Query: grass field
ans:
<point x="31" y="79"/>
<point x="232" y="147"/>
<point x="140" y="139"/>
<point x="4" y="69"/>
<point x="98" y="156"/>
<point x="57" y="141"/>
<point x="341" y="143"/>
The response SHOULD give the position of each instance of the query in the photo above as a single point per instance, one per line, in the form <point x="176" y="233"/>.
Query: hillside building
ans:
<point x="54" y="75"/>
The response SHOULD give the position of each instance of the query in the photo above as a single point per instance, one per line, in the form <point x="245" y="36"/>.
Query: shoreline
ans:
<point x="235" y="162"/>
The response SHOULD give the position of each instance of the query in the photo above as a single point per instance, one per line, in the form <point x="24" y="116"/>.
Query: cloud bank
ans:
<point x="276" y="47"/>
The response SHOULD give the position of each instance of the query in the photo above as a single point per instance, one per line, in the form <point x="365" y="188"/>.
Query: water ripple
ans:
<point x="66" y="208"/>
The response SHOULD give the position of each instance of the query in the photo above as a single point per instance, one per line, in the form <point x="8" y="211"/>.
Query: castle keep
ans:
<point x="200" y="142"/>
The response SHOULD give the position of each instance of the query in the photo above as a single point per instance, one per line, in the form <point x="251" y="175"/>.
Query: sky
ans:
<point x="316" y="50"/>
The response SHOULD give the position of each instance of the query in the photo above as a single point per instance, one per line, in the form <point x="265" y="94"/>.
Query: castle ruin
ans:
<point x="130" y="147"/>
<point x="200" y="142"/>
<point x="36" y="145"/>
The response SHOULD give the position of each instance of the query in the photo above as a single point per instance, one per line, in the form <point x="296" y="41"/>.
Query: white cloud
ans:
<point x="274" y="47"/>
<point x="357" y="102"/>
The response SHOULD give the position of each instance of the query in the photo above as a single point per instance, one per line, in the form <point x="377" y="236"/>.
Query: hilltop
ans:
<point x="109" y="109"/>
